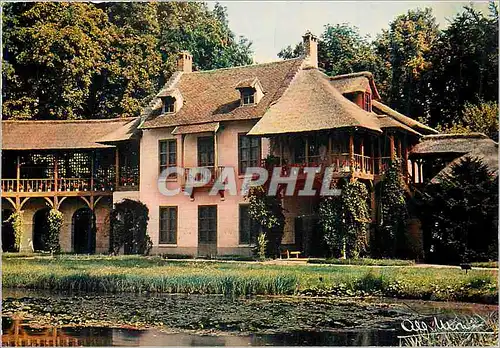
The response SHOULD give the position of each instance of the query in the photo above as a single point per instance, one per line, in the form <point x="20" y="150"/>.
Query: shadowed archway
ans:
<point x="41" y="229"/>
<point x="84" y="234"/>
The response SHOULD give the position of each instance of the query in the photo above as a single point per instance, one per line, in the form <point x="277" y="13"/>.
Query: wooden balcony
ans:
<point x="190" y="175"/>
<point x="59" y="187"/>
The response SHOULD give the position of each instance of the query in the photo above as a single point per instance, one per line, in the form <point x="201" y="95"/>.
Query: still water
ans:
<point x="34" y="318"/>
<point x="17" y="333"/>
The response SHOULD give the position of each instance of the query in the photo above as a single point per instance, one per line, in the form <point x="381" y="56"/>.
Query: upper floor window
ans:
<point x="168" y="105"/>
<point x="168" y="154"/>
<point x="248" y="96"/>
<point x="248" y="152"/>
<point x="368" y="102"/>
<point x="206" y="151"/>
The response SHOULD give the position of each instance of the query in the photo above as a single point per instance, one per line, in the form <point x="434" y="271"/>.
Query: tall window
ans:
<point x="168" y="225"/>
<point x="206" y="151"/>
<point x="168" y="154"/>
<point x="368" y="102"/>
<point x="248" y="152"/>
<point x="249" y="228"/>
<point x="207" y="223"/>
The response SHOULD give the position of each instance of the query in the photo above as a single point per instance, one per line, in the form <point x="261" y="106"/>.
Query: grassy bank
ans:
<point x="154" y="274"/>
<point x="364" y="262"/>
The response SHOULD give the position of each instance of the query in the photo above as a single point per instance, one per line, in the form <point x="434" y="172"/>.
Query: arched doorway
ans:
<point x="84" y="233"/>
<point x="41" y="229"/>
<point x="8" y="236"/>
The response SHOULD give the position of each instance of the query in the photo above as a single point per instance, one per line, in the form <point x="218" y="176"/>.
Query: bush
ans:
<point x="55" y="221"/>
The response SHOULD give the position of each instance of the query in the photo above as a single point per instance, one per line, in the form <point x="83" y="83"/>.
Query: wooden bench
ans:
<point x="287" y="253"/>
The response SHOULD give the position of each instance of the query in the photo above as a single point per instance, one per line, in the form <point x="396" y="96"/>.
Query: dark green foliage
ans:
<point x="55" y="221"/>
<point x="344" y="220"/>
<point x="460" y="214"/>
<point x="391" y="228"/>
<point x="129" y="223"/>
<point x="268" y="212"/>
<point x="86" y="60"/>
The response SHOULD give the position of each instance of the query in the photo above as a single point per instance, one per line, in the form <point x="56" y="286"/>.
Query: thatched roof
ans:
<point x="311" y="103"/>
<point x="474" y="145"/>
<point x="211" y="96"/>
<point x="70" y="134"/>
<point x="451" y="143"/>
<point x="196" y="128"/>
<point x="380" y="108"/>
<point x="387" y="122"/>
<point x="355" y="82"/>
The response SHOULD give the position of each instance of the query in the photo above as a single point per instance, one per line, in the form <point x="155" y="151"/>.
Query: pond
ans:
<point x="41" y="319"/>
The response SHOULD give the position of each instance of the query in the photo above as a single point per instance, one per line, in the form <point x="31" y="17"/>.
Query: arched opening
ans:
<point x="8" y="235"/>
<point x="41" y="229"/>
<point x="84" y="231"/>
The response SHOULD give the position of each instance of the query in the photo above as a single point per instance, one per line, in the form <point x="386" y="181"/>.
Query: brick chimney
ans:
<point x="311" y="48"/>
<point x="185" y="62"/>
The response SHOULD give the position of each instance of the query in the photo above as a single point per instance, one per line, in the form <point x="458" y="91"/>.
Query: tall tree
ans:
<point x="84" y="60"/>
<point x="51" y="53"/>
<point x="465" y="65"/>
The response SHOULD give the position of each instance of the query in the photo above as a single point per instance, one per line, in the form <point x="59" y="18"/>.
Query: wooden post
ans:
<point x="307" y="150"/>
<point x="18" y="173"/>
<point x="362" y="155"/>
<point x="56" y="180"/>
<point x="391" y="141"/>
<point x="117" y="168"/>
<point x="399" y="148"/>
<point x="280" y="144"/>
<point x="372" y="154"/>
<point x="379" y="156"/>
<point x="92" y="188"/>
<point x="421" y="171"/>
<point x="405" y="166"/>
<point x="351" y="151"/>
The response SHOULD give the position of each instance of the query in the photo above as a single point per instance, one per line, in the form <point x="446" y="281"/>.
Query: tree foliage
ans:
<point x="461" y="213"/>
<point x="267" y="211"/>
<point x="129" y="223"/>
<point x="344" y="220"/>
<point x="104" y="60"/>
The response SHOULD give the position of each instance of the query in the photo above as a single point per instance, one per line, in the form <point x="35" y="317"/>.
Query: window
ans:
<point x="368" y="102"/>
<point x="249" y="228"/>
<point x="248" y="152"/>
<point x="168" y="105"/>
<point x="168" y="225"/>
<point x="207" y="223"/>
<point x="248" y="96"/>
<point x="168" y="154"/>
<point x="206" y="151"/>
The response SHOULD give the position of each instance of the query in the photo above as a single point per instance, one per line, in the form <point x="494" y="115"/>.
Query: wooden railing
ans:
<point x="50" y="185"/>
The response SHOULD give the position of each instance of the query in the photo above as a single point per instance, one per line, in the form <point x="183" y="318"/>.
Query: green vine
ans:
<point x="129" y="223"/>
<point x="55" y="221"/>
<point x="393" y="208"/>
<point x="344" y="220"/>
<point x="268" y="212"/>
<point x="16" y="219"/>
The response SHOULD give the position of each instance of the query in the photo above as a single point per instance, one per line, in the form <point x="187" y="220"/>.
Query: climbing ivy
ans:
<point x="16" y="219"/>
<point x="55" y="221"/>
<point x="344" y="220"/>
<point x="268" y="212"/>
<point x="393" y="209"/>
<point x="129" y="223"/>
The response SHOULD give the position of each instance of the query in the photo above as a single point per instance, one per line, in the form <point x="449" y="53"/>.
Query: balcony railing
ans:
<point x="50" y="185"/>
<point x="195" y="175"/>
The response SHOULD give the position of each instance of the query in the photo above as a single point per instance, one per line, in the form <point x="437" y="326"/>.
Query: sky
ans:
<point x="273" y="25"/>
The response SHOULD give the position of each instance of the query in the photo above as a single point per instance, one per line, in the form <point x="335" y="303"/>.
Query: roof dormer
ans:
<point x="251" y="91"/>
<point x="171" y="101"/>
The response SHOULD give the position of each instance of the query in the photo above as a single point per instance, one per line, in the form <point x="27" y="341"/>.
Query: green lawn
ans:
<point x="154" y="274"/>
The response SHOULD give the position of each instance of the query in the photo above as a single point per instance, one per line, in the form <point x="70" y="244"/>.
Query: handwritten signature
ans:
<point x="438" y="325"/>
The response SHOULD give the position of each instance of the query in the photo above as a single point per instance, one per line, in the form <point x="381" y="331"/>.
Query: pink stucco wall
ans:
<point x="187" y="209"/>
